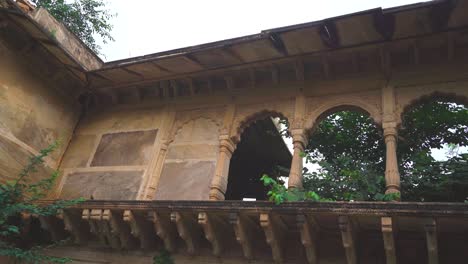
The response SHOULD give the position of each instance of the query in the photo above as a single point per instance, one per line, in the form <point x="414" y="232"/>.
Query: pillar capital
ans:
<point x="299" y="137"/>
<point x="390" y="129"/>
<point x="226" y="144"/>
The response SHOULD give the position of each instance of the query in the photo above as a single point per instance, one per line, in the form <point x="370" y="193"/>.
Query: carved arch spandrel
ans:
<point x="319" y="106"/>
<point x="246" y="115"/>
<point x="184" y="118"/>
<point x="407" y="97"/>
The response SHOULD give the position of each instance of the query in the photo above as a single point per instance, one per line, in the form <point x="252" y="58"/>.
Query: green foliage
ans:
<point x="85" y="18"/>
<point x="433" y="126"/>
<point x="20" y="197"/>
<point x="350" y="151"/>
<point x="164" y="257"/>
<point x="387" y="197"/>
<point x="279" y="193"/>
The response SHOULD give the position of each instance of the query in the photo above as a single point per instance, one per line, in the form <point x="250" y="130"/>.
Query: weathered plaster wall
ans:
<point x="190" y="162"/>
<point x="32" y="116"/>
<point x="110" y="154"/>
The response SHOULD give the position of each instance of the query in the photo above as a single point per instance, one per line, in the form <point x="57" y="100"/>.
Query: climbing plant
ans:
<point x="20" y="197"/>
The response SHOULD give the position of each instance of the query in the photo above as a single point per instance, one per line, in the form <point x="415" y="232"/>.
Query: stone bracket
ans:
<point x="388" y="234"/>
<point x="430" y="227"/>
<point x="309" y="230"/>
<point x="348" y="235"/>
<point x="140" y="228"/>
<point x="51" y="224"/>
<point x="187" y="229"/>
<point x="243" y="229"/>
<point x="274" y="229"/>
<point x="164" y="229"/>
<point x="74" y="225"/>
<point x="213" y="228"/>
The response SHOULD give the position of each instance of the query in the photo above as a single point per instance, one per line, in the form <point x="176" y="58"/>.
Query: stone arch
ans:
<point x="258" y="152"/>
<point x="332" y="106"/>
<point x="428" y="97"/>
<point x="252" y="118"/>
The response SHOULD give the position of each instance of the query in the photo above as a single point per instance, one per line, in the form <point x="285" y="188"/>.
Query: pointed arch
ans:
<point x="252" y="118"/>
<point x="349" y="103"/>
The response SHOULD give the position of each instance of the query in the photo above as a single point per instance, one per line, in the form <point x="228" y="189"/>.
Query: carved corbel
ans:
<point x="187" y="229"/>
<point x="309" y="230"/>
<point x="253" y="78"/>
<point x="118" y="228"/>
<point x="74" y="225"/>
<point x="326" y="66"/>
<point x="26" y="219"/>
<point x="430" y="227"/>
<point x="388" y="234"/>
<point x="230" y="84"/>
<point x="51" y="224"/>
<point x="212" y="226"/>
<point x="100" y="225"/>
<point x="191" y="85"/>
<point x="299" y="69"/>
<point x="164" y="229"/>
<point x="140" y="228"/>
<point x="94" y="225"/>
<point x="348" y="235"/>
<point x="243" y="228"/>
<point x="274" y="229"/>
<point x="275" y="76"/>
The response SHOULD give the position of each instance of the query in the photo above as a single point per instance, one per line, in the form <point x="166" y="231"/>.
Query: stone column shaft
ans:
<point x="220" y="179"/>
<point x="295" y="173"/>
<point x="392" y="176"/>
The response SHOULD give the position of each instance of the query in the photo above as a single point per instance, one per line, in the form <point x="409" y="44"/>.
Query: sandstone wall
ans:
<point x="190" y="162"/>
<point x="32" y="116"/>
<point x="110" y="154"/>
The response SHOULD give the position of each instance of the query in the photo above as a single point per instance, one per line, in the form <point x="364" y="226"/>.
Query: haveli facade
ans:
<point x="150" y="139"/>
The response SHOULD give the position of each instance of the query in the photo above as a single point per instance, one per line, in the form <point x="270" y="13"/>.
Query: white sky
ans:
<point x="147" y="26"/>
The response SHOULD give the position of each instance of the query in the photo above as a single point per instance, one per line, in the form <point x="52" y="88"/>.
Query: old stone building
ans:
<point x="168" y="144"/>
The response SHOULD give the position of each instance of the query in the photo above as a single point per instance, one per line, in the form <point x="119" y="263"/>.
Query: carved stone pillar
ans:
<point x="392" y="176"/>
<point x="150" y="191"/>
<point x="220" y="179"/>
<point x="295" y="173"/>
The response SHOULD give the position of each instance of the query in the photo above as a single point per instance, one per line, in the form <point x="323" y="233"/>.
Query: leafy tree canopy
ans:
<point x="85" y="18"/>
<point x="350" y="151"/>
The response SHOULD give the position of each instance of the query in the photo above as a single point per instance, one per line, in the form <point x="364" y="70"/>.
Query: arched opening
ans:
<point x="433" y="149"/>
<point x="261" y="150"/>
<point x="345" y="156"/>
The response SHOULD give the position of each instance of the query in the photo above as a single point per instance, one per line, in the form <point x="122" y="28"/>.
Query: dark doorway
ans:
<point x="261" y="150"/>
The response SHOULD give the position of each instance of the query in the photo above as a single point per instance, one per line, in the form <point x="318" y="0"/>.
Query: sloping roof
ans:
<point x="362" y="28"/>
<point x="367" y="27"/>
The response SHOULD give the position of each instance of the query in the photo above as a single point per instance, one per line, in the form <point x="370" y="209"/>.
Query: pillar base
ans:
<point x="216" y="194"/>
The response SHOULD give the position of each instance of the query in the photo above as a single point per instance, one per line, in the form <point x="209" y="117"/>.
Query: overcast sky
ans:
<point x="147" y="26"/>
